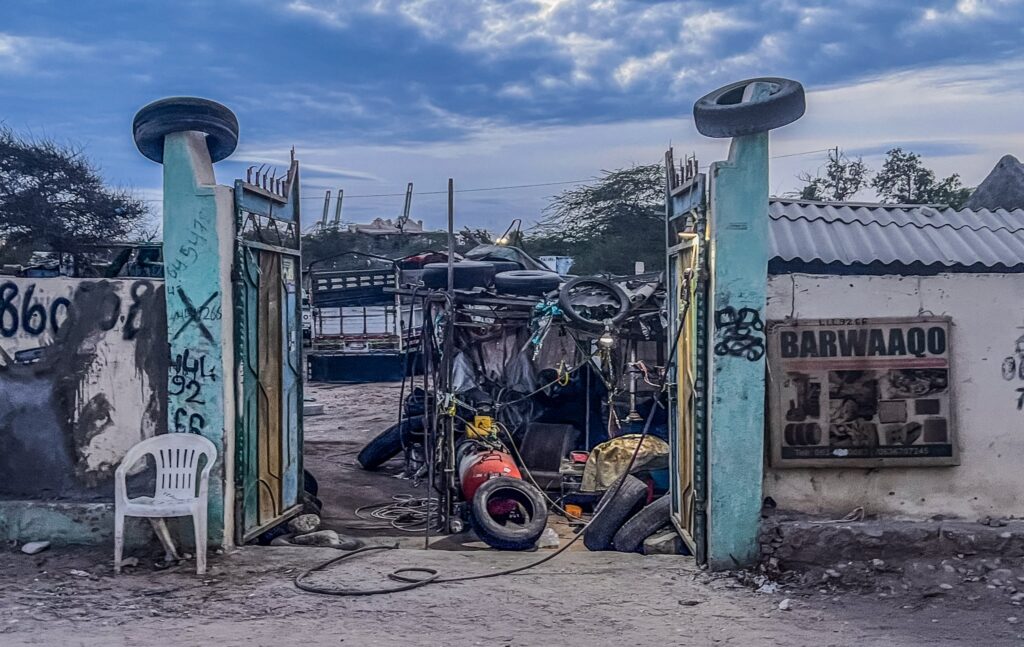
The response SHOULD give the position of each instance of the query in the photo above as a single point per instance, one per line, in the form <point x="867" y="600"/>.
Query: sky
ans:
<point x="376" y="94"/>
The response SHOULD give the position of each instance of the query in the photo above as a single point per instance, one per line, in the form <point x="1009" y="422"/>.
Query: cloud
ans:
<point x="26" y="54"/>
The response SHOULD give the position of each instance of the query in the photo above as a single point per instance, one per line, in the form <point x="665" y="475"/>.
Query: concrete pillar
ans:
<point x="198" y="231"/>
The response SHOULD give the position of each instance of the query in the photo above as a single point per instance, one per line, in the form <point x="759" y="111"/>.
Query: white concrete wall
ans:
<point x="82" y="373"/>
<point x="987" y="313"/>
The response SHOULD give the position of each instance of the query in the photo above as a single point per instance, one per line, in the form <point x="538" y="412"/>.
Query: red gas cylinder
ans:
<point x="476" y="467"/>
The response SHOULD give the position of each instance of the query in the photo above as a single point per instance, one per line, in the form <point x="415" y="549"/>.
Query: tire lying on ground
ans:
<point x="724" y="113"/>
<point x="611" y="512"/>
<point x="389" y="442"/>
<point x="465" y="275"/>
<point x="527" y="282"/>
<point x="508" y="513"/>
<point x="630" y="537"/>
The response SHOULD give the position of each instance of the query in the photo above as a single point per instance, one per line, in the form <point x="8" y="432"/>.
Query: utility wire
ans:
<point x="497" y="188"/>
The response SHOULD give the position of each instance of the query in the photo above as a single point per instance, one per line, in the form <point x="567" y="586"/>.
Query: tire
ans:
<point x="505" y="266"/>
<point x="527" y="282"/>
<point x="466" y="275"/>
<point x="381" y="449"/>
<point x="724" y="113"/>
<point x="309" y="483"/>
<point x="493" y="529"/>
<point x="611" y="513"/>
<point x="179" y="114"/>
<point x="584" y="319"/>
<point x="630" y="537"/>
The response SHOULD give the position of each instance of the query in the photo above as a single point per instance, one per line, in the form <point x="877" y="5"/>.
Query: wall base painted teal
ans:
<point x="64" y="523"/>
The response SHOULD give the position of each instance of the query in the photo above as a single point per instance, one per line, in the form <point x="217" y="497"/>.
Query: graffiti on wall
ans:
<point x="739" y="333"/>
<point x="1013" y="370"/>
<point x="83" y="366"/>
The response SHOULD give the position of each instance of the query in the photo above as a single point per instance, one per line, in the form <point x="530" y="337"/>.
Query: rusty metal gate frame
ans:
<point x="687" y="289"/>
<point x="268" y="347"/>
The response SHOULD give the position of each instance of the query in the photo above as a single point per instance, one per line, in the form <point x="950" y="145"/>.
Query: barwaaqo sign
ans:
<point x="861" y="393"/>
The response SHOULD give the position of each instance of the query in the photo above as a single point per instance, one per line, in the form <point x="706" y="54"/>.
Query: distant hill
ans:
<point x="1002" y="189"/>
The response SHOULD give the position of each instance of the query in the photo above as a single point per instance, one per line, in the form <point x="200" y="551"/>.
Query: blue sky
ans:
<point x="377" y="94"/>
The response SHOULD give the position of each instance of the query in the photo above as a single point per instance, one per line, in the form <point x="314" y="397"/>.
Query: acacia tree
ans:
<point x="608" y="225"/>
<point x="53" y="198"/>
<point x="843" y="178"/>
<point x="904" y="179"/>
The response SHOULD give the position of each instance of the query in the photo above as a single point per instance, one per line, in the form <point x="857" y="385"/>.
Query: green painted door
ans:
<point x="268" y="355"/>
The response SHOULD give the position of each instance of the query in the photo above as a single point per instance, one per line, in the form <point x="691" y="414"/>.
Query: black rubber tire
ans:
<point x="180" y="114"/>
<point x="493" y="532"/>
<point x="527" y="282"/>
<point x="381" y="449"/>
<point x="466" y="275"/>
<point x="565" y="303"/>
<point x="723" y="113"/>
<point x="505" y="266"/>
<point x="309" y="483"/>
<point x="611" y="513"/>
<point x="630" y="537"/>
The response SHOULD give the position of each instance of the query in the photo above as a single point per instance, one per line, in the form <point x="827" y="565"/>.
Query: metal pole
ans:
<point x="449" y="350"/>
<point x="337" y="209"/>
<point x="327" y="204"/>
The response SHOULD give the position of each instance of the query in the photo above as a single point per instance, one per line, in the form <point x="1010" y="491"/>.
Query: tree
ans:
<point x="904" y="179"/>
<point x="608" y="225"/>
<point x="842" y="180"/>
<point x="53" y="198"/>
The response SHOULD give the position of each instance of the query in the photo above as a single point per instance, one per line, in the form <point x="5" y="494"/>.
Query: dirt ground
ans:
<point x="70" y="596"/>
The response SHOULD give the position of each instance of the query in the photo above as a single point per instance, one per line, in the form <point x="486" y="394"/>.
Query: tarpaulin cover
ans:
<point x="608" y="461"/>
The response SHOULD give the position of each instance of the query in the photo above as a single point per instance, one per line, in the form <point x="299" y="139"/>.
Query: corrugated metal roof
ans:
<point x="850" y="233"/>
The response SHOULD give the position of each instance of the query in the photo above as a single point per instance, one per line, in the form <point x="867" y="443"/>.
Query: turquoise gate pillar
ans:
<point x="738" y="268"/>
<point x="187" y="136"/>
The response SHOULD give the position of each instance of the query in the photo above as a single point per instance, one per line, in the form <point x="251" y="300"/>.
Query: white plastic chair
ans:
<point x="177" y="460"/>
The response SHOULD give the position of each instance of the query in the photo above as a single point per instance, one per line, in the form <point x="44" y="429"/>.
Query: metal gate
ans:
<point x="686" y="228"/>
<point x="268" y="347"/>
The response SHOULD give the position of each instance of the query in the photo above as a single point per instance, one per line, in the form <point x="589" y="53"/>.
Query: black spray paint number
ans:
<point x="27" y="314"/>
<point x="32" y="316"/>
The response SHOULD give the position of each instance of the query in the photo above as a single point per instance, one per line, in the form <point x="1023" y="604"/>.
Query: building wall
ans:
<point x="987" y="313"/>
<point x="83" y="369"/>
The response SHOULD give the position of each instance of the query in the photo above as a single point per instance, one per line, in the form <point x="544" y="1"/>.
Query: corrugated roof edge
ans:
<point x="829" y="212"/>
<point x="778" y="266"/>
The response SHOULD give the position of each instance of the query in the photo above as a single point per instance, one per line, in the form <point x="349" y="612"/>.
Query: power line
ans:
<point x="497" y="188"/>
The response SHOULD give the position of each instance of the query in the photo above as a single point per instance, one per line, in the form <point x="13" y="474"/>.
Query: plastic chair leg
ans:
<point x="164" y="535"/>
<point x="199" y="521"/>
<point x="118" y="540"/>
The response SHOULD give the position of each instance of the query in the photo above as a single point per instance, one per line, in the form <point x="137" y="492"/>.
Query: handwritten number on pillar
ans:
<point x="195" y="314"/>
<point x="195" y="422"/>
<point x="740" y="333"/>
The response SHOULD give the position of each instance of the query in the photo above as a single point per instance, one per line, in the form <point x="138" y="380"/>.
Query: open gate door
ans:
<point x="268" y="345"/>
<point x="687" y="308"/>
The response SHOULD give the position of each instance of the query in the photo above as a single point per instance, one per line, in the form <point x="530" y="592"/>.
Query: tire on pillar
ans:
<point x="725" y="113"/>
<point x="180" y="114"/>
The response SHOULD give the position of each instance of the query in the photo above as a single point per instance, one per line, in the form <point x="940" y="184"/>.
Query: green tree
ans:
<point x="52" y="198"/>
<point x="904" y="179"/>
<point x="608" y="225"/>
<point x="843" y="178"/>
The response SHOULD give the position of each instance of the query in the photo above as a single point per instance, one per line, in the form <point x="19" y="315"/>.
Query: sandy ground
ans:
<point x="69" y="596"/>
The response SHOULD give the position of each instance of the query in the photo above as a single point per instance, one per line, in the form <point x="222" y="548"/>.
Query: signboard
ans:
<point x="861" y="393"/>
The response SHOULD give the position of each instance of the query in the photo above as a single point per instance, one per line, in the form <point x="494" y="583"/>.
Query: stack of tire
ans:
<point x="621" y="520"/>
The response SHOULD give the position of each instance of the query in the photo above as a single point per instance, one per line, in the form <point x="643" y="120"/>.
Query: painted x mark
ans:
<point x="195" y="314"/>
